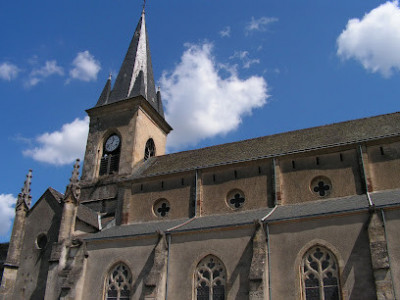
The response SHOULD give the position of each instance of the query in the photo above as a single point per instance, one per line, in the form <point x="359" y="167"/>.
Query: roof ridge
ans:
<point x="281" y="133"/>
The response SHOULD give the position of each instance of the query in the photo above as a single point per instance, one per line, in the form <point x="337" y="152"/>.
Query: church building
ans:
<point x="312" y="214"/>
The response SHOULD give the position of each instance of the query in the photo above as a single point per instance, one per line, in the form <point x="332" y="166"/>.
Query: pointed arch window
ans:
<point x="149" y="149"/>
<point x="118" y="284"/>
<point x="210" y="279"/>
<point x="320" y="275"/>
<point x="109" y="162"/>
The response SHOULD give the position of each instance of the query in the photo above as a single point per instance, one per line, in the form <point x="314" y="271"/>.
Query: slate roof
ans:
<point x="145" y="228"/>
<point x="135" y="77"/>
<point x="225" y="220"/>
<point x="337" y="134"/>
<point x="280" y="213"/>
<point x="88" y="216"/>
<point x="386" y="198"/>
<point x="321" y="207"/>
<point x="56" y="194"/>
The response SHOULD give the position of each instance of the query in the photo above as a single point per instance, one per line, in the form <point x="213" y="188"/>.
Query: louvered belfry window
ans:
<point x="118" y="283"/>
<point x="320" y="275"/>
<point x="109" y="162"/>
<point x="210" y="279"/>
<point x="149" y="149"/>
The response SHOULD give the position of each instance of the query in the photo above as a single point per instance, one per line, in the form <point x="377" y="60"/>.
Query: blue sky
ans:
<point x="239" y="69"/>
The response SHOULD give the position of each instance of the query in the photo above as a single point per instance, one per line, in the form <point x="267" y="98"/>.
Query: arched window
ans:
<point x="149" y="149"/>
<point x="320" y="275"/>
<point x="210" y="279"/>
<point x="109" y="162"/>
<point x="118" y="284"/>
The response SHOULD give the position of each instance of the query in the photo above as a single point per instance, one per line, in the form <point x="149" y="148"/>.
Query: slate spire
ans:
<point x="25" y="196"/>
<point x="105" y="94"/>
<point x="135" y="77"/>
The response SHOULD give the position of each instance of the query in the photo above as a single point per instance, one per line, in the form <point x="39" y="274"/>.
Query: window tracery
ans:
<point x="161" y="208"/>
<point x="236" y="199"/>
<point x="118" y="284"/>
<point x="210" y="279"/>
<point x="320" y="276"/>
<point x="321" y="186"/>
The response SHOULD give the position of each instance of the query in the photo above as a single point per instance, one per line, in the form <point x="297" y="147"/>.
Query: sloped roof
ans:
<point x="56" y="194"/>
<point x="135" y="77"/>
<point x="386" y="198"/>
<point x="88" y="216"/>
<point x="337" y="134"/>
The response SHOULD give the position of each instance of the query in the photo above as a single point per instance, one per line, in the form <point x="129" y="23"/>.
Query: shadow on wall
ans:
<point x="359" y="267"/>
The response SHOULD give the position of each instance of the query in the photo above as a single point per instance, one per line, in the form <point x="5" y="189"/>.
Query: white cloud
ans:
<point x="244" y="57"/>
<point x="8" y="71"/>
<point x="63" y="146"/>
<point x="374" y="40"/>
<point x="260" y="24"/>
<point x="37" y="75"/>
<point x="85" y="67"/>
<point x="7" y="212"/>
<point x="200" y="103"/>
<point x="226" y="32"/>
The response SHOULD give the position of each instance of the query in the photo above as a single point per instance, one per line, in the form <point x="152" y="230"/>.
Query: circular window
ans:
<point x="161" y="208"/>
<point x="321" y="186"/>
<point x="41" y="241"/>
<point x="235" y="199"/>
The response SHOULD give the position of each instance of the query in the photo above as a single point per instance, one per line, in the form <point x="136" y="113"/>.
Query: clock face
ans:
<point x="112" y="143"/>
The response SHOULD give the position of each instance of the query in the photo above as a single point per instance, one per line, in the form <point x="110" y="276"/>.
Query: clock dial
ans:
<point x="112" y="143"/>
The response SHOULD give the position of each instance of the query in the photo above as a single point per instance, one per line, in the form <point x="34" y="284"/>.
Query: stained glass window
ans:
<point x="210" y="279"/>
<point x="320" y="275"/>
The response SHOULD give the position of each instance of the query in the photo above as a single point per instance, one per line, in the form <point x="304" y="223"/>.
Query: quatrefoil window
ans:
<point x="235" y="199"/>
<point x="321" y="186"/>
<point x="161" y="208"/>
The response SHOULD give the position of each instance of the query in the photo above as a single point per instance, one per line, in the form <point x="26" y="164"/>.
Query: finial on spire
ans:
<point x="25" y="195"/>
<point x="110" y="76"/>
<point x="144" y="6"/>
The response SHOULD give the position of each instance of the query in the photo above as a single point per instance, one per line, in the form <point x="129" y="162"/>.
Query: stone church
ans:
<point x="308" y="214"/>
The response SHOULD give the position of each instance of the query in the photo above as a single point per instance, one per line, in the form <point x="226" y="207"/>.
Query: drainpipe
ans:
<point x="388" y="251"/>
<point x="269" y="265"/>
<point x="166" y="280"/>
<point x="195" y="191"/>
<point x="364" y="175"/>
<point x="274" y="182"/>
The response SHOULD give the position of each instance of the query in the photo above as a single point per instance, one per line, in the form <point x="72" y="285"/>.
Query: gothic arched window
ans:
<point x="149" y="149"/>
<point x="118" y="284"/>
<point x="210" y="279"/>
<point x="109" y="162"/>
<point x="320" y="275"/>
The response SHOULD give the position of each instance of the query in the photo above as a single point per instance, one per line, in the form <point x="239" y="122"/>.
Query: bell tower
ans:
<point x="127" y="125"/>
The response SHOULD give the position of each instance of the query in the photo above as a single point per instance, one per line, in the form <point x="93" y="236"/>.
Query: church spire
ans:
<point x="105" y="94"/>
<point x="25" y="196"/>
<point x="135" y="78"/>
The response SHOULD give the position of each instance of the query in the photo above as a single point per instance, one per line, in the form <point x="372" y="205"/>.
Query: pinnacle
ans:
<point x="25" y="196"/>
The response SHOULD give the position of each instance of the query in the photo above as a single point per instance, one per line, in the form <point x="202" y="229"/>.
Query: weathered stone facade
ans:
<point x="289" y="216"/>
